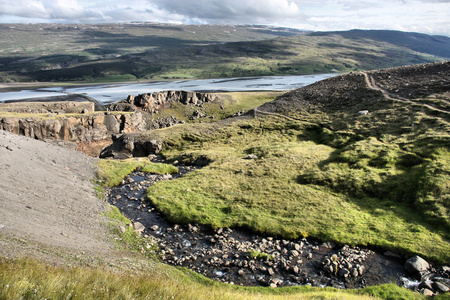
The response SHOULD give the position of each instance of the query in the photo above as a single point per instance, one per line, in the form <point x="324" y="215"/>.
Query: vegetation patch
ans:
<point x="359" y="191"/>
<point x="112" y="172"/>
<point x="259" y="255"/>
<point x="30" y="279"/>
<point x="224" y="106"/>
<point x="127" y="237"/>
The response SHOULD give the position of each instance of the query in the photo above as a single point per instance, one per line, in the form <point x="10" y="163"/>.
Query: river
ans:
<point x="109" y="93"/>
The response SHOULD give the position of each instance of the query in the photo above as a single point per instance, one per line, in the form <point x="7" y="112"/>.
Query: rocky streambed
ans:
<point x="239" y="257"/>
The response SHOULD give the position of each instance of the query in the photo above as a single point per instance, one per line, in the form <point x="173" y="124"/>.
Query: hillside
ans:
<point x="361" y="159"/>
<point x="357" y="174"/>
<point x="149" y="51"/>
<point x="27" y="48"/>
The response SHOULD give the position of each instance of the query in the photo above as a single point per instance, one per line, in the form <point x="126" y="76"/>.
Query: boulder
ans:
<point x="138" y="227"/>
<point x="362" y="113"/>
<point x="441" y="287"/>
<point x="416" y="265"/>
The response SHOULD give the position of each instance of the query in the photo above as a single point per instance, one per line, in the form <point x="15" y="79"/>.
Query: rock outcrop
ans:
<point x="153" y="103"/>
<point x="125" y="146"/>
<point x="58" y="107"/>
<point x="83" y="128"/>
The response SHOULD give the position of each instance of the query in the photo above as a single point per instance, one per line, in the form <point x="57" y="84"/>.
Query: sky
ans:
<point x="424" y="16"/>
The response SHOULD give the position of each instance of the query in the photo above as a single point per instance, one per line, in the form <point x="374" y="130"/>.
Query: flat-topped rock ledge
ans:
<point x="154" y="102"/>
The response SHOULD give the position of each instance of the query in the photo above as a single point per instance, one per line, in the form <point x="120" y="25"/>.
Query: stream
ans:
<point x="226" y="254"/>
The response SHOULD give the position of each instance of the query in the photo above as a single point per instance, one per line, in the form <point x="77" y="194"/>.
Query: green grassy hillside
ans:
<point x="157" y="51"/>
<point x="380" y="179"/>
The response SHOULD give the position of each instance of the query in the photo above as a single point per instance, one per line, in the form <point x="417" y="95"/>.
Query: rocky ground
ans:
<point x="238" y="257"/>
<point x="48" y="200"/>
<point x="351" y="91"/>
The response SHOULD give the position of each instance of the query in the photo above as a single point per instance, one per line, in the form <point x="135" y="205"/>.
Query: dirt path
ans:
<point x="47" y="199"/>
<point x="372" y="85"/>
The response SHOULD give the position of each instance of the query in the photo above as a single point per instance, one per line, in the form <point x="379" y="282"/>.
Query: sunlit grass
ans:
<point x="29" y="279"/>
<point x="112" y="172"/>
<point x="297" y="187"/>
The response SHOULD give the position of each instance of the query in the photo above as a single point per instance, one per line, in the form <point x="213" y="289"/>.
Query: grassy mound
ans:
<point x="367" y="193"/>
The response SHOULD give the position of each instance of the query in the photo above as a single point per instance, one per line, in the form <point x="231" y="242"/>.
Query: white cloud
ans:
<point x="427" y="16"/>
<point x="233" y="11"/>
<point x="23" y="8"/>
<point x="46" y="9"/>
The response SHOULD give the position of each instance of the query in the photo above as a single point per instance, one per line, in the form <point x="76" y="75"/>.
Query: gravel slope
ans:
<point x="47" y="199"/>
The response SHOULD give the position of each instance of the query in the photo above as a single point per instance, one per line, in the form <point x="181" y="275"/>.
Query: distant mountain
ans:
<point x="161" y="51"/>
<point x="437" y="45"/>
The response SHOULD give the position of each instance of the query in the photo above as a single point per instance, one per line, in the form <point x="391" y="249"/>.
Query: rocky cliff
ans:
<point x="74" y="128"/>
<point x="55" y="107"/>
<point x="154" y="102"/>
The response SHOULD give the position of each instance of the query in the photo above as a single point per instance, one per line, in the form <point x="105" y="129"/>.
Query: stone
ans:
<point x="252" y="156"/>
<point x="241" y="272"/>
<point x="441" y="287"/>
<point x="154" y="227"/>
<point x="270" y="271"/>
<point x="328" y="245"/>
<point x="427" y="292"/>
<point x="344" y="273"/>
<point x="275" y="281"/>
<point x="122" y="229"/>
<point x="426" y="285"/>
<point x="416" y="265"/>
<point x="138" y="227"/>
<point x="362" y="113"/>
<point x="329" y="269"/>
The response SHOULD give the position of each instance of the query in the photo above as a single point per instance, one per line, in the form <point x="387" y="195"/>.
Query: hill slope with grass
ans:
<point x="157" y="51"/>
<point x="315" y="169"/>
<point x="59" y="241"/>
<point x="320" y="169"/>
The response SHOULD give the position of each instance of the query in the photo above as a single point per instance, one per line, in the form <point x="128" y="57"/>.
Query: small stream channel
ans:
<point x="226" y="254"/>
